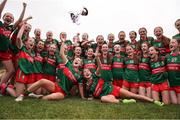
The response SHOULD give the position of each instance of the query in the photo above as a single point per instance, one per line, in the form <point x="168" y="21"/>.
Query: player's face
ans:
<point x="177" y="25"/>
<point x="29" y="43"/>
<point x="63" y="35"/>
<point x="49" y="35"/>
<point x="87" y="73"/>
<point x="152" y="52"/>
<point x="144" y="47"/>
<point x="8" y="18"/>
<point x="122" y="36"/>
<point x="158" y="32"/>
<point x="78" y="51"/>
<point x="173" y="45"/>
<point x="27" y="28"/>
<point x="129" y="50"/>
<point x="111" y="37"/>
<point x="90" y="52"/>
<point x="76" y="39"/>
<point x="104" y="48"/>
<point x="100" y="40"/>
<point x="132" y="35"/>
<point x="142" y="32"/>
<point x="77" y="62"/>
<point x="37" y="32"/>
<point x="85" y="36"/>
<point x="52" y="48"/>
<point x="117" y="49"/>
<point x="40" y="45"/>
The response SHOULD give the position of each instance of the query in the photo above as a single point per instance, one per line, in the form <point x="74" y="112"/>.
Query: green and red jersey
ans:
<point x="144" y="69"/>
<point x="69" y="78"/>
<point x="117" y="68"/>
<point x="54" y="41"/>
<point x="98" y="87"/>
<point x="5" y="32"/>
<point x="158" y="72"/>
<point x="38" y="62"/>
<point x="90" y="64"/>
<point x="177" y="36"/>
<point x="70" y="49"/>
<point x="60" y="67"/>
<point x="106" y="73"/>
<point x="131" y="70"/>
<point x="159" y="44"/>
<point x="148" y="39"/>
<point x="173" y="69"/>
<point x="26" y="60"/>
<point x="123" y="45"/>
<point x="135" y="46"/>
<point x="49" y="65"/>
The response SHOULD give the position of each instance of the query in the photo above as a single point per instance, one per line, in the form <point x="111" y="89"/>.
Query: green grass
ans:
<point x="76" y="108"/>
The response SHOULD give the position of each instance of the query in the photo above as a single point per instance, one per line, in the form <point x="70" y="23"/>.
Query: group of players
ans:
<point x="49" y="69"/>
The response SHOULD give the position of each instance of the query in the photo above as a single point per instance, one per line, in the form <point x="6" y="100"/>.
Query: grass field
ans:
<point x="75" y="108"/>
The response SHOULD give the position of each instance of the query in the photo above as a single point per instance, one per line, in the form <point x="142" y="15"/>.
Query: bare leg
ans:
<point x="134" y="90"/>
<point x="148" y="92"/>
<point x="20" y="87"/>
<point x="155" y="95"/>
<point x="44" y="83"/>
<point x="9" y="71"/>
<point x="173" y="97"/>
<point x="125" y="88"/>
<point x="142" y="91"/>
<point x="128" y="94"/>
<point x="165" y="96"/>
<point x="54" y="96"/>
<point x="109" y="99"/>
<point x="178" y="98"/>
<point x="11" y="91"/>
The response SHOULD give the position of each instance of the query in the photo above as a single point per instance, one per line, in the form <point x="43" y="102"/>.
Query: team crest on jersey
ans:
<point x="157" y="64"/>
<point x="143" y="60"/>
<point x="131" y="61"/>
<point x="105" y="60"/>
<point x="174" y="59"/>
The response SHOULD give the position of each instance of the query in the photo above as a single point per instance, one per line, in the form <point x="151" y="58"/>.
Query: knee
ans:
<point x="42" y="81"/>
<point x="103" y="98"/>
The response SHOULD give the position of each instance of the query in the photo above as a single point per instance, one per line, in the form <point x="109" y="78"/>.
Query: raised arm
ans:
<point x="19" y="42"/>
<point x="87" y="42"/>
<point x="62" y="50"/>
<point x="96" y="54"/>
<point x="2" y="6"/>
<point x="21" y="16"/>
<point x="24" y="21"/>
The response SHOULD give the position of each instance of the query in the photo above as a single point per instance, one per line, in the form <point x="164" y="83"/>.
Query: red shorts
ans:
<point x="58" y="89"/>
<point x="145" y="84"/>
<point x="130" y="84"/>
<point x="175" y="88"/>
<point x="160" y="87"/>
<point x="117" y="83"/>
<point x="24" y="78"/>
<point x="49" y="77"/>
<point x="38" y="76"/>
<point x="4" y="56"/>
<point x="116" y="91"/>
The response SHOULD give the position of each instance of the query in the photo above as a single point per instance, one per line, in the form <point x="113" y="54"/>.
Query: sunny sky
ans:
<point x="105" y="16"/>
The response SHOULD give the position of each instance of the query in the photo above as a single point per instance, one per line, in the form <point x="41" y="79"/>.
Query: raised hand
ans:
<point x="24" y="4"/>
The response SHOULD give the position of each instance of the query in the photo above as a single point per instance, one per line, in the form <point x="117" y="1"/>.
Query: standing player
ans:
<point x="159" y="78"/>
<point x="173" y="68"/>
